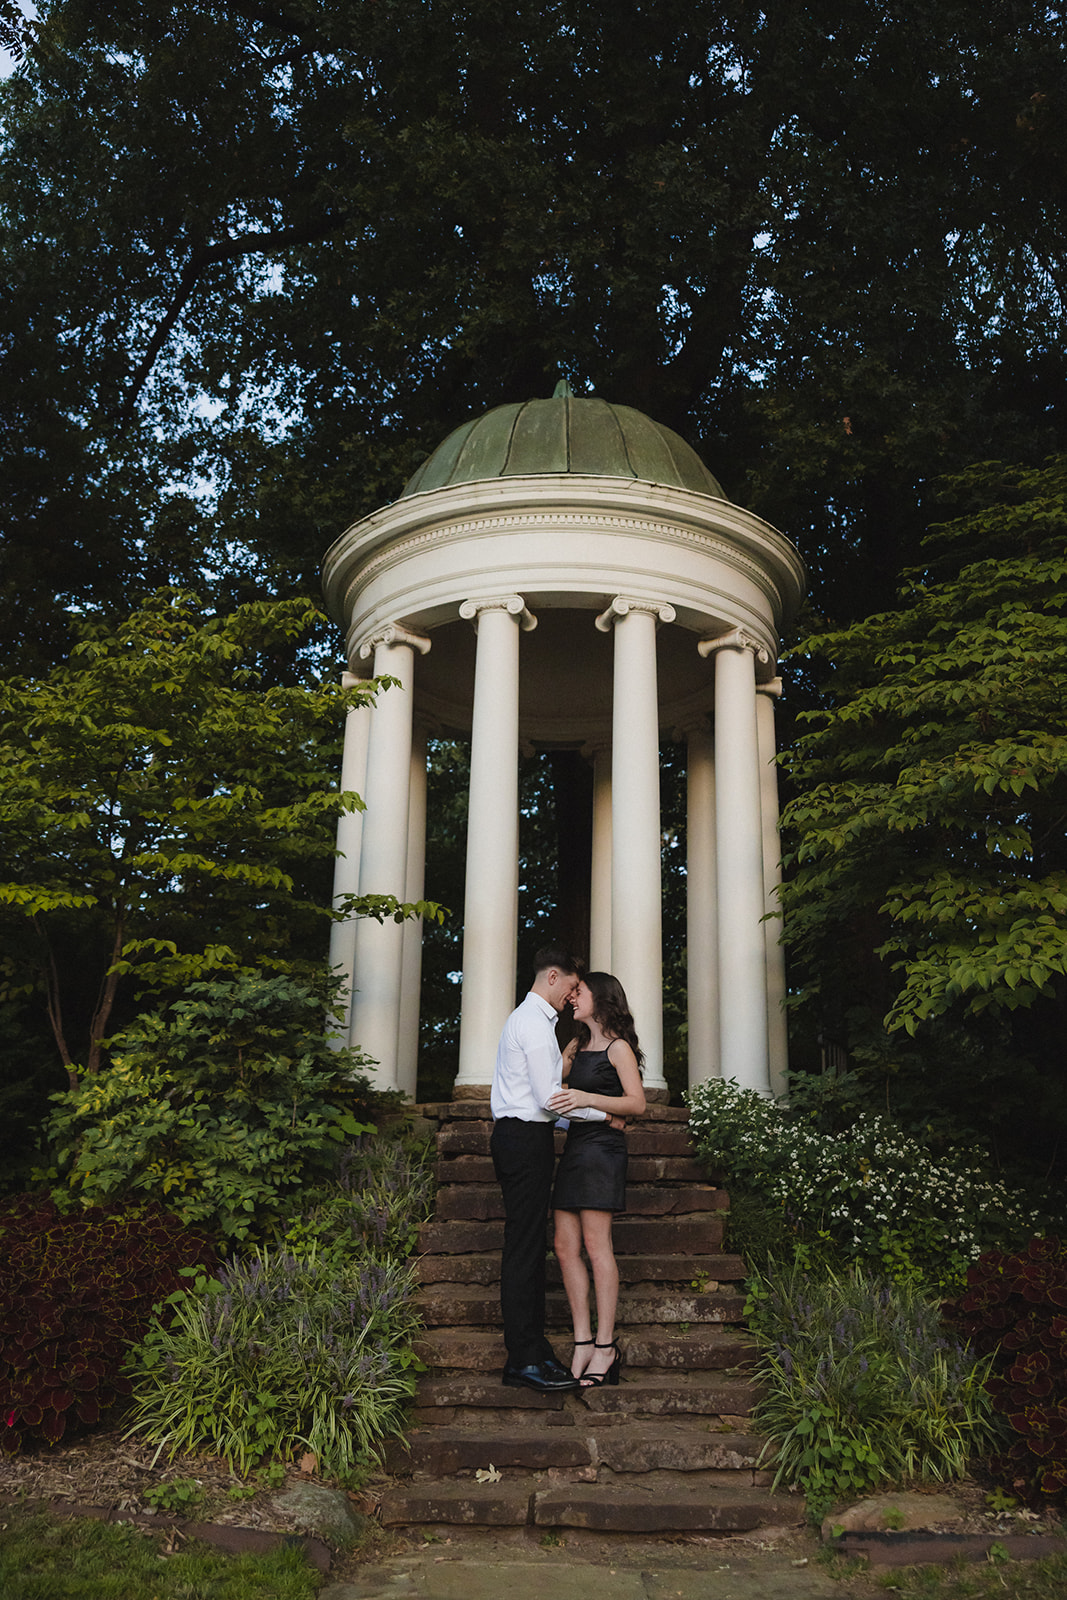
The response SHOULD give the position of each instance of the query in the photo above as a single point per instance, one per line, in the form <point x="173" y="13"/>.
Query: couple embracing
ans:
<point x="602" y="1072"/>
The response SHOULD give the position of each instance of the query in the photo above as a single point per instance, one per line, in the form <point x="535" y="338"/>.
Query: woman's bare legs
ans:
<point x="595" y="1230"/>
<point x="568" y="1247"/>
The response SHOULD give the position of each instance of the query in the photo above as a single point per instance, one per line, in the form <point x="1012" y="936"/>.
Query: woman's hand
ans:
<point x="565" y="1100"/>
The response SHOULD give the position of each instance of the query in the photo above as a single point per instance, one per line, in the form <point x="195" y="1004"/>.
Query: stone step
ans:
<point x="711" y="1272"/>
<point x="642" y="1169"/>
<point x="472" y="1139"/>
<point x="470" y="1202"/>
<point x="663" y="1503"/>
<point x="479" y="1110"/>
<point x="704" y="1348"/>
<point x="469" y="1305"/>
<point x="450" y="1451"/>
<point x="698" y="1234"/>
<point x="446" y="1452"/>
<point x="706" y="1393"/>
<point x="442" y="1397"/>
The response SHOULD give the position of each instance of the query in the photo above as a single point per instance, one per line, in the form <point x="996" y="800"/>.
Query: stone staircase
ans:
<point x="669" y="1449"/>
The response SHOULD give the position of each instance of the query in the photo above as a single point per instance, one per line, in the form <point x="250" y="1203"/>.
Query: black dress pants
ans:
<point x="523" y="1157"/>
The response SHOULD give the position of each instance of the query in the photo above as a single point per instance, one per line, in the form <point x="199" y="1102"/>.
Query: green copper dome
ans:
<point x="564" y="434"/>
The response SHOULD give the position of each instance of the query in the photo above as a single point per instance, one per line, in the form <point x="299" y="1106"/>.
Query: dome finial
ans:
<point x="563" y="391"/>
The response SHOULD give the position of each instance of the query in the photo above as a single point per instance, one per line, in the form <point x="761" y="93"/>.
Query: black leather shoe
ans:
<point x="555" y="1368"/>
<point x="543" y="1376"/>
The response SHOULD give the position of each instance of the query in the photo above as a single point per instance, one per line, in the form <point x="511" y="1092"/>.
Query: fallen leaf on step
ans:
<point x="488" y="1474"/>
<point x="309" y="1463"/>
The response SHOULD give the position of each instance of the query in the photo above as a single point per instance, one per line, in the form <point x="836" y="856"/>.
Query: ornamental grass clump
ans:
<point x="864" y="1385"/>
<point x="280" y="1353"/>
<point x="872" y="1195"/>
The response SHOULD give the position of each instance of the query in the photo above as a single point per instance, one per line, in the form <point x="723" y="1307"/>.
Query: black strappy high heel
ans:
<point x="595" y="1380"/>
<point x="577" y="1345"/>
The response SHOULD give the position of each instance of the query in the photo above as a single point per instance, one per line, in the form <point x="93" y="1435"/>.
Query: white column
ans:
<point x="349" y="837"/>
<point x="636" y="894"/>
<point x="383" y="867"/>
<point x="491" y="900"/>
<point x="777" y="1018"/>
<point x="411" y="960"/>
<point x="702" y="953"/>
<point x="739" y="857"/>
<point x="600" y="873"/>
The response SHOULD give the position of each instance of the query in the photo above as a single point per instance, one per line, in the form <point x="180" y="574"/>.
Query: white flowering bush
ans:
<point x="872" y="1194"/>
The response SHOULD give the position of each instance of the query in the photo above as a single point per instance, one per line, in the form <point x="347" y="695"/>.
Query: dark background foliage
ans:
<point x="261" y="257"/>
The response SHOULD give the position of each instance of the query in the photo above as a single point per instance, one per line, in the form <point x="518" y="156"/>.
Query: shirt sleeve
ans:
<point x="544" y="1067"/>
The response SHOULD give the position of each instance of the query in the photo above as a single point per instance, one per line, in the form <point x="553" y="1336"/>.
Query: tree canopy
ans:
<point x="927" y="836"/>
<point x="167" y="812"/>
<point x="262" y="256"/>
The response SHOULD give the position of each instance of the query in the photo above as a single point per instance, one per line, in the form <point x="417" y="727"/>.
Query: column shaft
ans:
<point x="383" y="867"/>
<point x="636" y="898"/>
<point x="739" y="855"/>
<point x="491" y="906"/>
<point x="702" y="956"/>
<point x="600" y="886"/>
<point x="346" y="864"/>
<point x="777" y="1018"/>
<point x="414" y="887"/>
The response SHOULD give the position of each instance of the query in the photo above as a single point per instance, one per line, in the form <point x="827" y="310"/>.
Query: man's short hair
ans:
<point x="556" y="955"/>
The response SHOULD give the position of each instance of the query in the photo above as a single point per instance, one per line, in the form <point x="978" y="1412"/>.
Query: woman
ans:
<point x="602" y="1067"/>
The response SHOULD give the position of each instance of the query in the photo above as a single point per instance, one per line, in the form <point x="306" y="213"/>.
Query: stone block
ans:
<point x="645" y="1448"/>
<point x="499" y="1505"/>
<point x="444" y="1452"/>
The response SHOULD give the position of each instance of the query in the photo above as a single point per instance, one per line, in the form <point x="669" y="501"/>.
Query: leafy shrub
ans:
<point x="75" y="1292"/>
<point x="281" y="1351"/>
<point x="873" y="1194"/>
<point x="1015" y="1308"/>
<point x="863" y="1385"/>
<point x="225" y="1107"/>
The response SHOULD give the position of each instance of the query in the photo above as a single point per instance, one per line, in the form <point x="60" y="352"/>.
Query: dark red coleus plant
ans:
<point x="76" y="1290"/>
<point x="1015" y="1306"/>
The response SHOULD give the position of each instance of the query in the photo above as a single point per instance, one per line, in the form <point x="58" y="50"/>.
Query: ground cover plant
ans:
<point x="1015" y="1308"/>
<point x="75" y="1292"/>
<point x="872" y="1194"/>
<point x="306" y="1346"/>
<point x="863" y="1385"/>
<point x="80" y="1559"/>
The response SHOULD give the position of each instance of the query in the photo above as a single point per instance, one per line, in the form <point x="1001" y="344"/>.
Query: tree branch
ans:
<point x="201" y="259"/>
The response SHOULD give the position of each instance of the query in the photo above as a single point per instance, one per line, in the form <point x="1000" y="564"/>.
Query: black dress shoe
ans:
<point x="543" y="1376"/>
<point x="556" y="1368"/>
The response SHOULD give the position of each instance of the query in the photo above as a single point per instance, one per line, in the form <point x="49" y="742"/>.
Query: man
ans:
<point x="528" y="1072"/>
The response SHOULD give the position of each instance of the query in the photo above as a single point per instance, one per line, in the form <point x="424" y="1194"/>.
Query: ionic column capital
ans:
<point x="623" y="604"/>
<point x="513" y="604"/>
<point x="394" y="633"/>
<point x="736" y="639"/>
<point x="773" y="687"/>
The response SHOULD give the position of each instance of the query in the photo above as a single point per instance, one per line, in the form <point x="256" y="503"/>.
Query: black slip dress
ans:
<point x="591" y="1175"/>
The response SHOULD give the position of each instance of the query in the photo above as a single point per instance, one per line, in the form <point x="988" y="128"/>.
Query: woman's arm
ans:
<point x="631" y="1103"/>
<point x="568" y="1057"/>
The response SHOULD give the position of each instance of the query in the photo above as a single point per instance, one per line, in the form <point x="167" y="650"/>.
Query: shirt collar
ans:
<point x="542" y="1004"/>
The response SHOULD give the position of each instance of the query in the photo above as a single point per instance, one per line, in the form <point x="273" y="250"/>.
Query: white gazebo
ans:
<point x="567" y="574"/>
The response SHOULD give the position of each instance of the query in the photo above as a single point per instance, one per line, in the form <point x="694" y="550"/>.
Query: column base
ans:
<point x="471" y="1091"/>
<point x="657" y="1097"/>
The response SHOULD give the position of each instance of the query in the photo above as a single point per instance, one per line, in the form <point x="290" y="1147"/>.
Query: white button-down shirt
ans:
<point x="529" y="1067"/>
